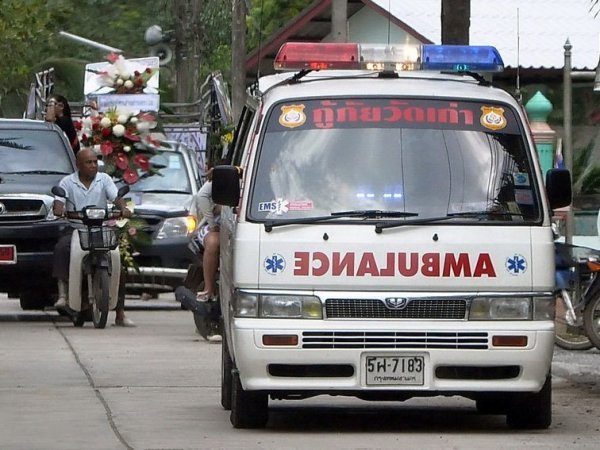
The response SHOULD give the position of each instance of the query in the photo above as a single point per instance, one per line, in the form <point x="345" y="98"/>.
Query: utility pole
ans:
<point x="456" y="20"/>
<point x="188" y="42"/>
<point x="339" y="20"/>
<point x="238" y="58"/>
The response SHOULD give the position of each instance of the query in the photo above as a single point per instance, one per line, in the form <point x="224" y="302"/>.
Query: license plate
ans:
<point x="8" y="254"/>
<point x="395" y="370"/>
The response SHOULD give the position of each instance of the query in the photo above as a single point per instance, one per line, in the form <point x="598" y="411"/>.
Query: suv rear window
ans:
<point x="30" y="151"/>
<point x="428" y="157"/>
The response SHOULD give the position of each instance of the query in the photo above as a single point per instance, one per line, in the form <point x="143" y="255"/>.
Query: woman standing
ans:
<point x="59" y="112"/>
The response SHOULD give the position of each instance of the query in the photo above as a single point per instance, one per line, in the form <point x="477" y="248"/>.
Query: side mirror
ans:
<point x="122" y="192"/>
<point x="58" y="191"/>
<point x="226" y="185"/>
<point x="558" y="188"/>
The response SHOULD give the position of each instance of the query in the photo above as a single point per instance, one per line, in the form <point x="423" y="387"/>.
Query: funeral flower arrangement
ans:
<point x="122" y="78"/>
<point x="123" y="140"/>
<point x="131" y="235"/>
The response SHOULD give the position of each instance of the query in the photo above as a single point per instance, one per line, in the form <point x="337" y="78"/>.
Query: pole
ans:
<point x="238" y="58"/>
<point x="567" y="134"/>
<point x="339" y="20"/>
<point x="89" y="42"/>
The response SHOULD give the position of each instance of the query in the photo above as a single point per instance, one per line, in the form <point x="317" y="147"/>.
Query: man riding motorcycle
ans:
<point x="83" y="188"/>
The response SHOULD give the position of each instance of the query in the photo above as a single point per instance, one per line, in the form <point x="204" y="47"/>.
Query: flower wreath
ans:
<point x="121" y="78"/>
<point x="123" y="139"/>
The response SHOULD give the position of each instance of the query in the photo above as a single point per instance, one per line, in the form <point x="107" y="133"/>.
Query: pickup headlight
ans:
<point x="500" y="308"/>
<point x="176" y="227"/>
<point x="277" y="306"/>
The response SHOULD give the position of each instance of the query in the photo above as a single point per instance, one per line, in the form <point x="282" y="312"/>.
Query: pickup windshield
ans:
<point x="428" y="157"/>
<point x="29" y="151"/>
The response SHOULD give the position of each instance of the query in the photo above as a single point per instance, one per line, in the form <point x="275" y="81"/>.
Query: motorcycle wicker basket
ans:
<point x="98" y="238"/>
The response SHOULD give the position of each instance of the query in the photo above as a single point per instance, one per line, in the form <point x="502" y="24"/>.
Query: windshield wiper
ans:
<point x="372" y="213"/>
<point x="269" y="225"/>
<point x="467" y="214"/>
<point x="37" y="172"/>
<point x="163" y="191"/>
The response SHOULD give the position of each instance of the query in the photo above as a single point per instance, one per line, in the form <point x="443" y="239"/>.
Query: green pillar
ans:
<point x="538" y="109"/>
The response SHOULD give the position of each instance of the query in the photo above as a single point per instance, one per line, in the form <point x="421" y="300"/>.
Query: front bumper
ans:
<point x="162" y="266"/>
<point x="452" y="365"/>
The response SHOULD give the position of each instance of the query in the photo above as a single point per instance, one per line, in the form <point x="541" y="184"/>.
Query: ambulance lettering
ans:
<point x="318" y="264"/>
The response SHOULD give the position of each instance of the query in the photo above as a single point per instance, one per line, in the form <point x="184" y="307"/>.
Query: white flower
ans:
<point x="133" y="119"/>
<point x="128" y="84"/>
<point x="118" y="130"/>
<point x="87" y="122"/>
<point x="127" y="148"/>
<point x="96" y="149"/>
<point x="122" y="118"/>
<point x="105" y="122"/>
<point x="143" y="127"/>
<point x="122" y="222"/>
<point x="119" y="81"/>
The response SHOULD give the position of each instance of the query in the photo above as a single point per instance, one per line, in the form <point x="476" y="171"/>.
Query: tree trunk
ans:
<point x="238" y="58"/>
<point x="188" y="43"/>
<point x="456" y="19"/>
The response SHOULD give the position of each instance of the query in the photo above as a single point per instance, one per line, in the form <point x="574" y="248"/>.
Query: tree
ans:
<point x="456" y="19"/>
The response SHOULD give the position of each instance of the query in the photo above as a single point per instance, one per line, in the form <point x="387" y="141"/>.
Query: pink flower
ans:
<point x="106" y="148"/>
<point x="132" y="231"/>
<point x="112" y="57"/>
<point x="142" y="161"/>
<point x="130" y="176"/>
<point x="121" y="161"/>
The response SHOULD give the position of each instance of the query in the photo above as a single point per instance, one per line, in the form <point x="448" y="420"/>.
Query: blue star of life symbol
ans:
<point x="516" y="264"/>
<point x="274" y="264"/>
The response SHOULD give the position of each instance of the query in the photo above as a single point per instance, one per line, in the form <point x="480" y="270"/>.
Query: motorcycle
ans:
<point x="95" y="259"/>
<point x="574" y="281"/>
<point x="207" y="315"/>
<point x="591" y="313"/>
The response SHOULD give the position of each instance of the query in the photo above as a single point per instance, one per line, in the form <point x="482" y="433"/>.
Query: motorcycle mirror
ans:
<point x="58" y="191"/>
<point x="123" y="190"/>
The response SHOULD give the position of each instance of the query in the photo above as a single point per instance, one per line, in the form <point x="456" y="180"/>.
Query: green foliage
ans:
<point x="24" y="27"/>
<point x="586" y="174"/>
<point x="267" y="16"/>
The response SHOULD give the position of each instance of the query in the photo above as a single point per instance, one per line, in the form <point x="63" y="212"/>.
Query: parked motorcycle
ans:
<point x="573" y="282"/>
<point x="207" y="315"/>
<point x="95" y="259"/>
<point x="591" y="313"/>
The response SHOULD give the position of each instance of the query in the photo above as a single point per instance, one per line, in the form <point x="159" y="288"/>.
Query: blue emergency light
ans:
<point x="461" y="58"/>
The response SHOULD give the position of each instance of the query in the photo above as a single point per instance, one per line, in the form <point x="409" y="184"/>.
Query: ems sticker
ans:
<point x="492" y="118"/>
<point x="279" y="206"/>
<point x="292" y="116"/>
<point x="274" y="264"/>
<point x="516" y="264"/>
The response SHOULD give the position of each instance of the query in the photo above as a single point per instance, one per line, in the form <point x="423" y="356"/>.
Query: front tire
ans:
<point x="569" y="337"/>
<point x="531" y="411"/>
<point x="100" y="296"/>
<point x="591" y="315"/>
<point x="226" y="376"/>
<point x="249" y="409"/>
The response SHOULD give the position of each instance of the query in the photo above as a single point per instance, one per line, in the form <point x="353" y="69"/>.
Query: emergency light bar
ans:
<point x="380" y="57"/>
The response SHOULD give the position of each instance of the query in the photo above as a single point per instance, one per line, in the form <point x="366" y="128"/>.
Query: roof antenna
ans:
<point x="389" y="20"/>
<point x="260" y="31"/>
<point x="518" y="95"/>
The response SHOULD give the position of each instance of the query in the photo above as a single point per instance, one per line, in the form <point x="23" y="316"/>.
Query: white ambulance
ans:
<point x="387" y="235"/>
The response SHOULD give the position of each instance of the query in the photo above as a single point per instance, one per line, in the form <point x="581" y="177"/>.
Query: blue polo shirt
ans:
<point x="101" y="191"/>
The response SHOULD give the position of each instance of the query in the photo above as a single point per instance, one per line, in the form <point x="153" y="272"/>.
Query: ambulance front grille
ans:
<point x="336" y="308"/>
<point x="395" y="339"/>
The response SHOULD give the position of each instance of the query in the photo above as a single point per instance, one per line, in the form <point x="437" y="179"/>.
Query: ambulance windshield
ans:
<point x="430" y="157"/>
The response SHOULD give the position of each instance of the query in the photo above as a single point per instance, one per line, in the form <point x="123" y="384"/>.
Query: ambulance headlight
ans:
<point x="278" y="306"/>
<point x="290" y="306"/>
<point x="500" y="308"/>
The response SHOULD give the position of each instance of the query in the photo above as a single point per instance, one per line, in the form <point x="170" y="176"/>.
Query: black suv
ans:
<point x="34" y="156"/>
<point x="166" y="203"/>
